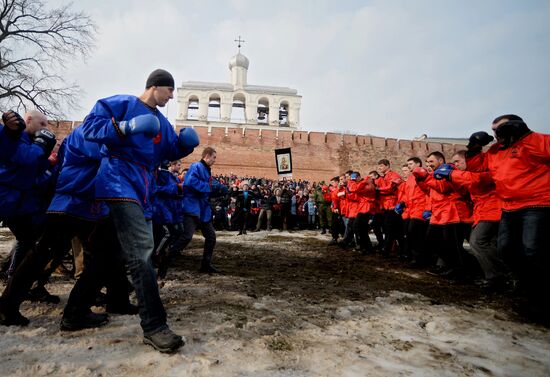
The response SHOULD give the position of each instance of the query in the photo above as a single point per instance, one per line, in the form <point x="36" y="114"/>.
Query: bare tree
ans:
<point x="35" y="45"/>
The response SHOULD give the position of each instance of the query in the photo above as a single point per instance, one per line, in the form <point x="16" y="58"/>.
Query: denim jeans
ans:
<point x="135" y="235"/>
<point x="524" y="245"/>
<point x="483" y="242"/>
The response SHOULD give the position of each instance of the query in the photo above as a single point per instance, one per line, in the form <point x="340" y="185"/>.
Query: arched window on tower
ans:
<point x="263" y="110"/>
<point x="193" y="108"/>
<point x="214" y="102"/>
<point x="283" y="114"/>
<point x="238" y="114"/>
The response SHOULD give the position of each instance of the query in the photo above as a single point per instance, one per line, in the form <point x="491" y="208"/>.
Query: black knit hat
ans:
<point x="159" y="77"/>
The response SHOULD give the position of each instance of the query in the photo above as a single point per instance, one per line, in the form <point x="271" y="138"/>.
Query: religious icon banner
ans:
<point x="283" y="161"/>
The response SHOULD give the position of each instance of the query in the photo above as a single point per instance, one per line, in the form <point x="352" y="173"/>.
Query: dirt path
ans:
<point x="286" y="304"/>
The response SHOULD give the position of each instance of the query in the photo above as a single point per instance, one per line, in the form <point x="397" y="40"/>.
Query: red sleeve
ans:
<point x="468" y="179"/>
<point x="443" y="187"/>
<point x="477" y="163"/>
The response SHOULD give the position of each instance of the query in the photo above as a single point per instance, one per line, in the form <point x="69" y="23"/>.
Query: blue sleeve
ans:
<point x="193" y="180"/>
<point x="218" y="189"/>
<point x="167" y="187"/>
<point x="18" y="152"/>
<point x="8" y="144"/>
<point x="171" y="149"/>
<point x="100" y="125"/>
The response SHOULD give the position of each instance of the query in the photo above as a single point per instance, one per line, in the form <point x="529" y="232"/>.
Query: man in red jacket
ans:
<point x="487" y="212"/>
<point x="393" y="224"/>
<point x="446" y="230"/>
<point x="416" y="202"/>
<point x="361" y="192"/>
<point x="519" y="164"/>
<point x="337" y="222"/>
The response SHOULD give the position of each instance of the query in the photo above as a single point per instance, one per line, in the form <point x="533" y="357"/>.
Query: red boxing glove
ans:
<point x="420" y="173"/>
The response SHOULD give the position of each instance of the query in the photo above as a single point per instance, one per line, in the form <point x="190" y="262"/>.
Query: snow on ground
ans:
<point x="231" y="332"/>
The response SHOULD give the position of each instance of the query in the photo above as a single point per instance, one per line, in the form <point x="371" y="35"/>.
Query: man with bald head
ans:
<point x="25" y="145"/>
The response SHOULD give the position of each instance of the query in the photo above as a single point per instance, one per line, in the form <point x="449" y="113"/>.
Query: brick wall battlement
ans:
<point x="315" y="155"/>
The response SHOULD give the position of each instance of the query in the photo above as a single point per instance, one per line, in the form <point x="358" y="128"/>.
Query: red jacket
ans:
<point x="487" y="205"/>
<point x="402" y="197"/>
<point x="521" y="172"/>
<point x="448" y="205"/>
<point x="344" y="202"/>
<point x="352" y="199"/>
<point x="416" y="199"/>
<point x="387" y="188"/>
<point x="334" y="198"/>
<point x="363" y="196"/>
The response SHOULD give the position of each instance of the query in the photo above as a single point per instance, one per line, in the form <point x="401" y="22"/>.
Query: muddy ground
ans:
<point x="287" y="304"/>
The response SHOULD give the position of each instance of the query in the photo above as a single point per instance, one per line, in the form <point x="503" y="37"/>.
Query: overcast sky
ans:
<point x="387" y="68"/>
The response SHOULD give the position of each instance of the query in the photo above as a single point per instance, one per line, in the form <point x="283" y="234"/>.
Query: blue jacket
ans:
<point x="128" y="162"/>
<point x="75" y="189"/>
<point x="23" y="166"/>
<point x="167" y="200"/>
<point x="198" y="187"/>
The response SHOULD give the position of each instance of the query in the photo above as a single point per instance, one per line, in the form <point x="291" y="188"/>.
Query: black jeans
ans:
<point x="26" y="229"/>
<point x="393" y="231"/>
<point x="361" y="230"/>
<point x="104" y="265"/>
<point x="416" y="240"/>
<point x="524" y="244"/>
<point x="52" y="245"/>
<point x="190" y="223"/>
<point x="447" y="243"/>
<point x="337" y="226"/>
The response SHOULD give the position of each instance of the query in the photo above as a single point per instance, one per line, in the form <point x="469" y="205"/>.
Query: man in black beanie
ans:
<point x="135" y="138"/>
<point x="160" y="77"/>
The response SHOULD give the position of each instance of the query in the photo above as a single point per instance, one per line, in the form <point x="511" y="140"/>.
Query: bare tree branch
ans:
<point x="35" y="45"/>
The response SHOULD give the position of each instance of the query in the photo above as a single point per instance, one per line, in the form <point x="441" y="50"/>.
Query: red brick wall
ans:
<point x="315" y="155"/>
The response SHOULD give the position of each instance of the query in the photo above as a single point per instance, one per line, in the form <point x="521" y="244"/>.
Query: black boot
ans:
<point x="12" y="318"/>
<point x="40" y="294"/>
<point x="79" y="321"/>
<point x="207" y="268"/>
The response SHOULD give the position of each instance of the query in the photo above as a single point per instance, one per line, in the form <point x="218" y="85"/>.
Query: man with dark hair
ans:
<point x="519" y="164"/>
<point x="337" y="222"/>
<point x="393" y="224"/>
<point x="135" y="137"/>
<point x="198" y="187"/>
<point x="487" y="213"/>
<point x="417" y="203"/>
<point x="377" y="218"/>
<point x="445" y="232"/>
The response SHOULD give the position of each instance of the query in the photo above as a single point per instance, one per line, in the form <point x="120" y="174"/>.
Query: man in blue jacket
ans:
<point x="74" y="212"/>
<point x="135" y="138"/>
<point x="198" y="187"/>
<point x="25" y="175"/>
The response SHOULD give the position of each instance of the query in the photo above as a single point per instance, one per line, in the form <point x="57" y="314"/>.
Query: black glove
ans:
<point x="511" y="131"/>
<point x="477" y="141"/>
<point x="46" y="140"/>
<point x="13" y="123"/>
